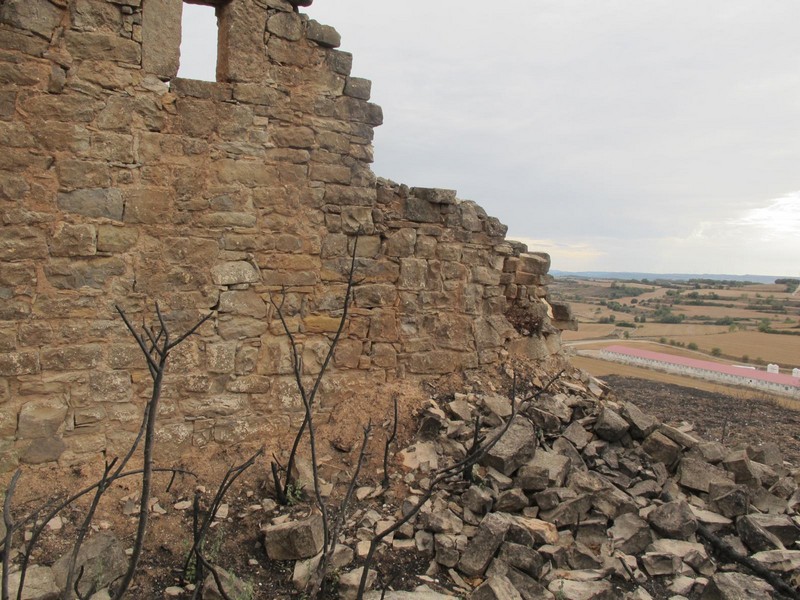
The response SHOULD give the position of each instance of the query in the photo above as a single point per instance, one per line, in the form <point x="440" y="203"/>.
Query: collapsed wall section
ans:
<point x="123" y="184"/>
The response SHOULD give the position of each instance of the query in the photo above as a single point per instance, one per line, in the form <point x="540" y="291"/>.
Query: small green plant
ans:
<point x="294" y="494"/>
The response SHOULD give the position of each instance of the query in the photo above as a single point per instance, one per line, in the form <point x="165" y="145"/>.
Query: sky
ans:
<point x="617" y="135"/>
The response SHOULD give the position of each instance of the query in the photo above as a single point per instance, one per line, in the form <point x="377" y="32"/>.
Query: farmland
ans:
<point x="729" y="321"/>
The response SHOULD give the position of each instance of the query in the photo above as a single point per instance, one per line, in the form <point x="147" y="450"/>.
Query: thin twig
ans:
<point x="322" y="569"/>
<point x="84" y="529"/>
<point x="389" y="440"/>
<point x="10" y="528"/>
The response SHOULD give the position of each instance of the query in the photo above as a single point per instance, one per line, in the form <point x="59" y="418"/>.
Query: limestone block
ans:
<point x="324" y="35"/>
<point x="357" y="87"/>
<point x="413" y="274"/>
<point x="661" y="448"/>
<point x="106" y="203"/>
<point x="496" y="588"/>
<point x="73" y="274"/>
<point x="19" y="363"/>
<point x="40" y="583"/>
<point x="89" y="45"/>
<point x="39" y="16"/>
<point x="630" y="534"/>
<point x="74" y="240"/>
<point x="43" y="450"/>
<point x="739" y="464"/>
<point x="732" y="586"/>
<point x="610" y="426"/>
<point x="481" y="548"/>
<point x="582" y="590"/>
<point x="67" y="358"/>
<point x="234" y="273"/>
<point x="294" y="539"/>
<point x="537" y="263"/>
<point x="21" y="243"/>
<point x="288" y="25"/>
<point x="522" y="557"/>
<point x="357" y="220"/>
<point x="673" y="519"/>
<point x="216" y="405"/>
<point x="110" y="386"/>
<point x="514" y="448"/>
<point x="339" y="62"/>
<point x="232" y="585"/>
<point x="221" y="357"/>
<point x="243" y="302"/>
<point x="103" y="559"/>
<point x="112" y="238"/>
<point x="375" y="295"/>
<point x="41" y="418"/>
<point x="383" y="327"/>
<point x="699" y="475"/>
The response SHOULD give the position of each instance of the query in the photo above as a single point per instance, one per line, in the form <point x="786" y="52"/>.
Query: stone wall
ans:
<point x="123" y="184"/>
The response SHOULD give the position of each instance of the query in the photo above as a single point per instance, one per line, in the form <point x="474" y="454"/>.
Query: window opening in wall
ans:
<point x="199" y="42"/>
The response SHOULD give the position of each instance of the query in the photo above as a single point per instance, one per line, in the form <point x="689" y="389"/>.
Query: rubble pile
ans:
<point x="587" y="498"/>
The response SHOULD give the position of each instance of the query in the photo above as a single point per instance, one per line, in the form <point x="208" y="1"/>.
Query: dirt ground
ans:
<point x="234" y="542"/>
<point x="739" y="419"/>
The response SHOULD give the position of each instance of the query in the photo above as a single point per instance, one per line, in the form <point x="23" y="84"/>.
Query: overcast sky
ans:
<point x="636" y="135"/>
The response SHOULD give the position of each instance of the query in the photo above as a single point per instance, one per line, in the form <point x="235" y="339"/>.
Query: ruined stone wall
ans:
<point x="123" y="184"/>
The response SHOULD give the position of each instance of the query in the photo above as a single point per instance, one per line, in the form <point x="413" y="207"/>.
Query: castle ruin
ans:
<point x="121" y="183"/>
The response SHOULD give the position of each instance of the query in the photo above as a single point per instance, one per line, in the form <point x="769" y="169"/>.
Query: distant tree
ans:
<point x="692" y="346"/>
<point x="716" y="352"/>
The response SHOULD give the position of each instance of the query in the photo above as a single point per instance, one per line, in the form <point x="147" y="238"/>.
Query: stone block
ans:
<point x="38" y="16"/>
<point x="357" y="87"/>
<point x="661" y="448"/>
<point x="537" y="263"/>
<point x="22" y="243"/>
<point x="699" y="475"/>
<point x="733" y="586"/>
<point x="288" y="25"/>
<point x="74" y="240"/>
<point x="375" y="295"/>
<point x="43" y="450"/>
<point x="69" y="358"/>
<point x="610" y="426"/>
<point x="89" y="45"/>
<point x="115" y="239"/>
<point x="496" y="588"/>
<point x="514" y="449"/>
<point x="481" y="548"/>
<point x="98" y="203"/>
<point x="641" y="424"/>
<point x="413" y="274"/>
<point x="294" y="539"/>
<point x="40" y="583"/>
<point x="73" y="274"/>
<point x="673" y="519"/>
<point x="102" y="560"/>
<point x="630" y="534"/>
<point x="110" y="386"/>
<point x="234" y="273"/>
<point x="324" y="35"/>
<point x="41" y="418"/>
<point x="19" y="363"/>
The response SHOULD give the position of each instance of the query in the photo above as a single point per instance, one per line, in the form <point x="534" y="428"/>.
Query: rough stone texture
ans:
<point x="737" y="586"/>
<point x="674" y="519"/>
<point x="478" y="554"/>
<point x="294" y="540"/>
<point x="515" y="448"/>
<point x="103" y="559"/>
<point x="122" y="188"/>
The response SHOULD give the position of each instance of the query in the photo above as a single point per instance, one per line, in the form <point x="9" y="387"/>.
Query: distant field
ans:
<point x="727" y="319"/>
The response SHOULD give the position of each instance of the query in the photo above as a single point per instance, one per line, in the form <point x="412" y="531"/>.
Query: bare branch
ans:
<point x="389" y="441"/>
<point x="10" y="529"/>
